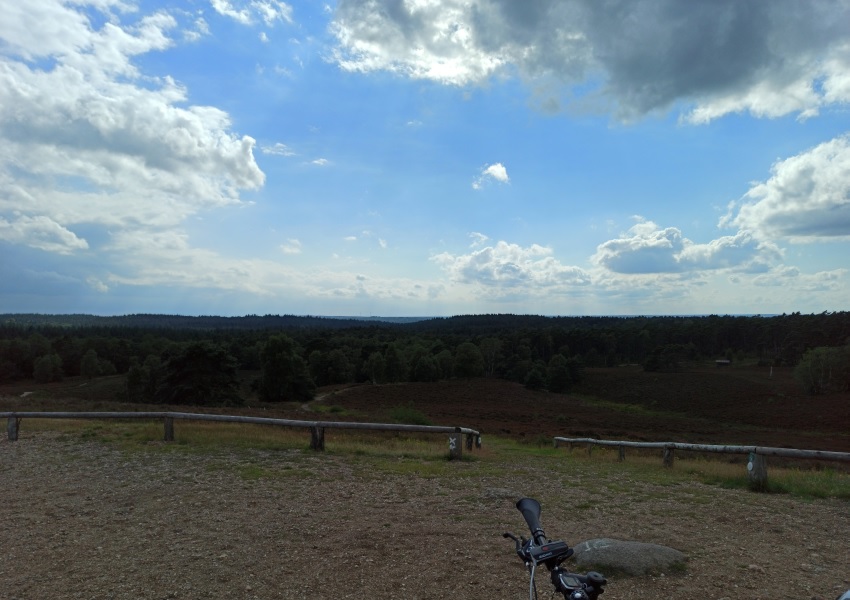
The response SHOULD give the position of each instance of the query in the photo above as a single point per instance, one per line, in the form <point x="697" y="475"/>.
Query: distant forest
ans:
<point x="181" y="359"/>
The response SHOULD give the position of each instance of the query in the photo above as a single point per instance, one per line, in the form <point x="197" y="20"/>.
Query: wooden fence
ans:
<point x="756" y="462"/>
<point x="317" y="428"/>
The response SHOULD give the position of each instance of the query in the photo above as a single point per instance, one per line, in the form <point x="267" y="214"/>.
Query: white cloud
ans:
<point x="807" y="197"/>
<point x="382" y="243"/>
<point x="428" y="40"/>
<point x="292" y="246"/>
<point x="350" y="238"/>
<point x="40" y="232"/>
<point x="320" y="162"/>
<point x="97" y="285"/>
<point x="201" y="29"/>
<point x="495" y="172"/>
<point x="646" y="248"/>
<point x="225" y="8"/>
<point x="87" y="139"/>
<point x="278" y="150"/>
<point x="478" y="239"/>
<point x="791" y="278"/>
<point x="508" y="266"/>
<point x="273" y="10"/>
<point x="634" y="56"/>
<point x="247" y="13"/>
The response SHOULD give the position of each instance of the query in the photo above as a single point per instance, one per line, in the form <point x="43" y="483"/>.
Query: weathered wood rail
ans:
<point x="756" y="463"/>
<point x="317" y="428"/>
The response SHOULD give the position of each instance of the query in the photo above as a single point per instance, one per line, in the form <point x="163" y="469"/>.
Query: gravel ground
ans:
<point x="82" y="519"/>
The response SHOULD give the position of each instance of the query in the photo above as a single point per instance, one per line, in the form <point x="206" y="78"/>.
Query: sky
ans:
<point x="424" y="157"/>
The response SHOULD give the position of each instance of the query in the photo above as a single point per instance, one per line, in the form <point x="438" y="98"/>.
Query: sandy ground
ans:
<point x="82" y="519"/>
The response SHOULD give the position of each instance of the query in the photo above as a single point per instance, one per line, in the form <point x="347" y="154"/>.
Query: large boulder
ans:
<point x="628" y="558"/>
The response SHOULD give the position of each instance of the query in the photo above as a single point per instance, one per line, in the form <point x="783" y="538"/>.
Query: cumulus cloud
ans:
<point x="97" y="285"/>
<point x="40" y="232"/>
<point x="87" y="139"/>
<point x="278" y="149"/>
<point x="646" y="248"/>
<point x="247" y="13"/>
<point x="320" y="162"/>
<point x="478" y="239"/>
<point x="635" y="56"/>
<point x="791" y="277"/>
<point x="199" y="29"/>
<point x="292" y="246"/>
<point x="495" y="172"/>
<point x="806" y="199"/>
<point x="508" y="266"/>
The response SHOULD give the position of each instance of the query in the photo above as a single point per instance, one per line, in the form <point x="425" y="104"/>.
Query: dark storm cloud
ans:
<point x="639" y="56"/>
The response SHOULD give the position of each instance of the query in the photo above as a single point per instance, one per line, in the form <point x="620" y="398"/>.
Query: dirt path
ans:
<point x="84" y="520"/>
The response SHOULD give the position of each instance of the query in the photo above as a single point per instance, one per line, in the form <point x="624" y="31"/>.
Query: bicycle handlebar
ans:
<point x="538" y="549"/>
<point x="530" y="510"/>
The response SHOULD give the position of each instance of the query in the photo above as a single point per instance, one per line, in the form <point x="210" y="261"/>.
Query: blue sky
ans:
<point x="424" y="157"/>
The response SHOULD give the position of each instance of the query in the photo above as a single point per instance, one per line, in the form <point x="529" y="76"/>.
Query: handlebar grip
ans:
<point x="530" y="510"/>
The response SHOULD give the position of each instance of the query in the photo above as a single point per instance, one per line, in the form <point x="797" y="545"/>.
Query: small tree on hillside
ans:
<point x="374" y="367"/>
<point x="446" y="363"/>
<point x="558" y="374"/>
<point x="468" y="360"/>
<point x="536" y="378"/>
<point x="89" y="364"/>
<point x="823" y="370"/>
<point x="285" y="374"/>
<point x="200" y="373"/>
<point x="395" y="368"/>
<point x="491" y="351"/>
<point x="47" y="368"/>
<point x="425" y="369"/>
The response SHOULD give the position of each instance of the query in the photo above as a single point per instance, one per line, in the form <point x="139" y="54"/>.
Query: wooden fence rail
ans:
<point x="756" y="463"/>
<point x="317" y="428"/>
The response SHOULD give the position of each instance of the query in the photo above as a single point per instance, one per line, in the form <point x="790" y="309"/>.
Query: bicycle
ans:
<point x="540" y="550"/>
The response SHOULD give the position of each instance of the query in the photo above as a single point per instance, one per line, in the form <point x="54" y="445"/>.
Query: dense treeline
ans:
<point x="149" y="321"/>
<point x="171" y="358"/>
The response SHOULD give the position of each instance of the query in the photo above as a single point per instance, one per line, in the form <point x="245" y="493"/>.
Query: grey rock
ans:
<point x="629" y="558"/>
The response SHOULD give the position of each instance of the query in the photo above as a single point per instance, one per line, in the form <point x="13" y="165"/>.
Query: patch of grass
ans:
<point x="409" y="415"/>
<point x="541" y="441"/>
<point x="825" y="483"/>
<point x="632" y="409"/>
<point x="334" y="409"/>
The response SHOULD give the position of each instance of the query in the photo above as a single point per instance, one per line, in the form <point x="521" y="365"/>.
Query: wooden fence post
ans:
<point x="589" y="449"/>
<point x="169" y="429"/>
<point x="455" y="446"/>
<point x="621" y="453"/>
<point x="12" y="427"/>
<point x="668" y="456"/>
<point x="757" y="472"/>
<point x="469" y="441"/>
<point x="317" y="438"/>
